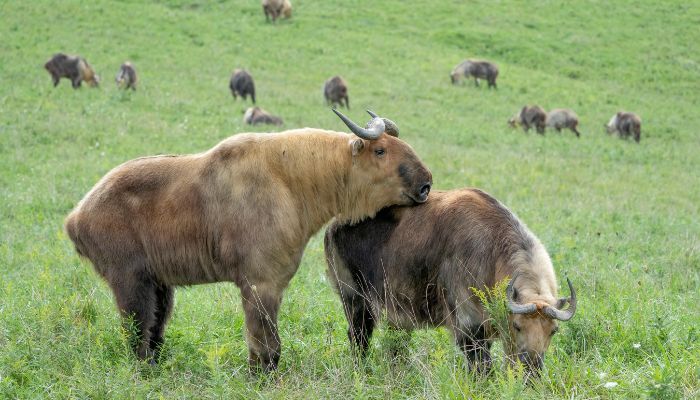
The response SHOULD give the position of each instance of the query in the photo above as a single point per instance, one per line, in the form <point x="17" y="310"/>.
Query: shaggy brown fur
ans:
<point x="625" y="124"/>
<point x="276" y="8"/>
<point x="418" y="264"/>
<point x="528" y="117"/>
<point x="241" y="212"/>
<point x="478" y="69"/>
<point x="256" y="115"/>
<point x="560" y="118"/>
<point x="126" y="77"/>
<point x="335" y="90"/>
<point x="74" y="68"/>
<point x="242" y="84"/>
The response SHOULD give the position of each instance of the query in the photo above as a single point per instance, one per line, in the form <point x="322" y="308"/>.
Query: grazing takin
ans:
<point x="475" y="68"/>
<point x="74" y="68"/>
<point x="256" y="115"/>
<point x="126" y="77"/>
<point x="625" y="124"/>
<point x="530" y="116"/>
<point x="240" y="212"/>
<point x="335" y="90"/>
<point x="241" y="84"/>
<point x="276" y="8"/>
<point x="563" y="118"/>
<point x="418" y="265"/>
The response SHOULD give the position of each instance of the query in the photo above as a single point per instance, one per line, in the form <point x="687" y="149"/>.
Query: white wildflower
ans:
<point x="610" y="385"/>
<point x="636" y="345"/>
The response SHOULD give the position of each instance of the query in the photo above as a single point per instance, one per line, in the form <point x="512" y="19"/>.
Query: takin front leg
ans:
<point x="360" y="322"/>
<point x="261" y="304"/>
<point x="476" y="347"/>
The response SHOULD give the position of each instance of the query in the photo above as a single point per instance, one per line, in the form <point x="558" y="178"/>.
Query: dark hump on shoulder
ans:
<point x="362" y="241"/>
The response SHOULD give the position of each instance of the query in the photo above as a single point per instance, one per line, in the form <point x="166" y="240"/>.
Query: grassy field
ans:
<point x="620" y="219"/>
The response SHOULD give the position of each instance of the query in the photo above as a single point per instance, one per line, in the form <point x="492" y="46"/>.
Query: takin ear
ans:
<point x="357" y="146"/>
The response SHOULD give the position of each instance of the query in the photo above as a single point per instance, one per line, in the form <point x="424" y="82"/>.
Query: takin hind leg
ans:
<point x="164" y="307"/>
<point x="261" y="304"/>
<point x="476" y="347"/>
<point x="136" y="298"/>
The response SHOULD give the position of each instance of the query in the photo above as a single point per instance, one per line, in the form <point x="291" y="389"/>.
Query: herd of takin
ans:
<point x="244" y="210"/>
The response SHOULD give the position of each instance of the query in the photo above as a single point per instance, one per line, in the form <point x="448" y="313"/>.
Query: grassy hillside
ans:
<point x="620" y="219"/>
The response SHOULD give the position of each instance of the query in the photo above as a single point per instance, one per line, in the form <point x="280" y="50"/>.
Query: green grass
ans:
<point x="620" y="219"/>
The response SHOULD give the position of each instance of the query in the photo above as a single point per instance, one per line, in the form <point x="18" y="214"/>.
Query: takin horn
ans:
<point x="374" y="129"/>
<point x="390" y="127"/>
<point x="564" y="315"/>
<point x="517" y="308"/>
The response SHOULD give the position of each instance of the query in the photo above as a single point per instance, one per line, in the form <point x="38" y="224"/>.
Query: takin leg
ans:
<point x="261" y="304"/>
<point x="135" y="293"/>
<point x="164" y="308"/>
<point x="360" y="322"/>
<point x="476" y="347"/>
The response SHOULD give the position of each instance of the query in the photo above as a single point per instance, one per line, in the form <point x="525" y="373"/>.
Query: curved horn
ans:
<point x="564" y="315"/>
<point x="514" y="307"/>
<point x="375" y="127"/>
<point x="390" y="127"/>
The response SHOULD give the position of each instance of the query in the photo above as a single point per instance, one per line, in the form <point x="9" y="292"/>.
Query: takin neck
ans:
<point x="536" y="281"/>
<point x="316" y="165"/>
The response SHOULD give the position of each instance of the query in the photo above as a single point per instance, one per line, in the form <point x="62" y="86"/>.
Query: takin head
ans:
<point x="532" y="325"/>
<point x="381" y="158"/>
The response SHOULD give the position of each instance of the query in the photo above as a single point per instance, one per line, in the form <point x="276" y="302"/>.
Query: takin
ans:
<point x="126" y="77"/>
<point x="240" y="212"/>
<point x="529" y="116"/>
<point x="74" y="68"/>
<point x="625" y="124"/>
<point x="241" y="84"/>
<point x="478" y="69"/>
<point x="563" y="118"/>
<point x="256" y="115"/>
<point x="335" y="90"/>
<point x="276" y="8"/>
<point x="418" y="266"/>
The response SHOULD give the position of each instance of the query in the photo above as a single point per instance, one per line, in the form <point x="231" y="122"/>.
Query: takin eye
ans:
<point x="516" y="327"/>
<point x="555" y="330"/>
<point x="379" y="152"/>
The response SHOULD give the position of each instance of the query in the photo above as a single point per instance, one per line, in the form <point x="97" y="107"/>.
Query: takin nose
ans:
<point x="423" y="193"/>
<point x="533" y="361"/>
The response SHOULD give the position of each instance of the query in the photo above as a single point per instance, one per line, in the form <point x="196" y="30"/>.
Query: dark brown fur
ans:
<point x="74" y="68"/>
<point x="241" y="212"/>
<point x="478" y="69"/>
<point x="126" y="77"/>
<point x="335" y="90"/>
<point x="626" y="124"/>
<point x="242" y="84"/>
<point x="418" y="264"/>
<point x="530" y="116"/>
<point x="256" y="115"/>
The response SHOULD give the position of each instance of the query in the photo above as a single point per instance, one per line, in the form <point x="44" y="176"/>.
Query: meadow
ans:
<point x="620" y="219"/>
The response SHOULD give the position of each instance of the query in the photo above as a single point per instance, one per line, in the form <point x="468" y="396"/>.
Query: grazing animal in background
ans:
<point x="242" y="84"/>
<point x="240" y="212"/>
<point x="335" y="90"/>
<point x="528" y="117"/>
<point x="74" y="68"/>
<point x="417" y="266"/>
<point x="256" y="115"/>
<point x="126" y="77"/>
<point x="625" y="124"/>
<point x="477" y="69"/>
<point x="563" y="118"/>
<point x="276" y="8"/>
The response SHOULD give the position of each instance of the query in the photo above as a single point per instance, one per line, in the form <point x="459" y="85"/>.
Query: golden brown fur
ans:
<point x="240" y="212"/>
